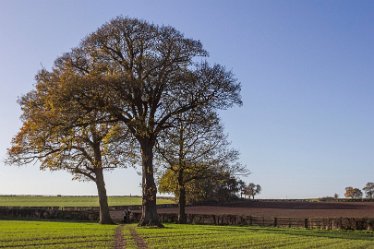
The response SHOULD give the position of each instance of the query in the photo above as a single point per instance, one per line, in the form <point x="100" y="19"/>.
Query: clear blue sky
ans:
<point x="306" y="128"/>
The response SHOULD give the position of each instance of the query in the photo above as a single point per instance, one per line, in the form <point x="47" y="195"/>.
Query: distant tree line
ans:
<point x="356" y="193"/>
<point x="251" y="190"/>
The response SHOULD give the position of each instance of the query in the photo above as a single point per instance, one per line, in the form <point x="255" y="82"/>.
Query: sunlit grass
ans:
<point x="46" y="234"/>
<point x="43" y="234"/>
<point x="228" y="237"/>
<point x="72" y="201"/>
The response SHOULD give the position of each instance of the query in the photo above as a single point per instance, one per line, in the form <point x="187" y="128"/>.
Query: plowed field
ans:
<point x="294" y="209"/>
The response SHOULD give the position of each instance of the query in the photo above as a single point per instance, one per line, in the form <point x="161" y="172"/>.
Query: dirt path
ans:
<point x="119" y="240"/>
<point x="140" y="243"/>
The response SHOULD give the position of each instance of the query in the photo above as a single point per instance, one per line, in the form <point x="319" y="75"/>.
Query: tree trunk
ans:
<point x="103" y="199"/>
<point x="149" y="209"/>
<point x="182" y="217"/>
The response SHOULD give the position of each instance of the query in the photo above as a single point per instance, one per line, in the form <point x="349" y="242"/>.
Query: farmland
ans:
<point x="48" y="234"/>
<point x="286" y="209"/>
<point x="197" y="236"/>
<point x="71" y="201"/>
<point x="41" y="234"/>
<point x="44" y="234"/>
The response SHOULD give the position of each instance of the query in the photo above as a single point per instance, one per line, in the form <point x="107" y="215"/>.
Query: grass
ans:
<point x="44" y="234"/>
<point x="71" y="201"/>
<point x="47" y="234"/>
<point x="229" y="237"/>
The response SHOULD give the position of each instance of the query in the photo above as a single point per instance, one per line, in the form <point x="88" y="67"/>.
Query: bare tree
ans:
<point x="195" y="148"/>
<point x="150" y="75"/>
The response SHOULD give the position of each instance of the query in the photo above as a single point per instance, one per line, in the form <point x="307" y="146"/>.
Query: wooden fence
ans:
<point x="92" y="214"/>
<point x="310" y="223"/>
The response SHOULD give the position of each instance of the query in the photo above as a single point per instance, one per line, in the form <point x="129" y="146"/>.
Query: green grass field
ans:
<point x="47" y="234"/>
<point x="71" y="201"/>
<point x="43" y="234"/>
<point x="229" y="237"/>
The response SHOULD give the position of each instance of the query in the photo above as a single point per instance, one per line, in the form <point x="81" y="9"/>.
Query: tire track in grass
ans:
<point x="140" y="243"/>
<point x="119" y="240"/>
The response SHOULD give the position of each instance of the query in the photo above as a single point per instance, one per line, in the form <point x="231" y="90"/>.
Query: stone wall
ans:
<point x="65" y="213"/>
<point x="48" y="213"/>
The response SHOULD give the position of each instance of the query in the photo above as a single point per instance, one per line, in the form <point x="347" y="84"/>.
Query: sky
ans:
<point x="306" y="127"/>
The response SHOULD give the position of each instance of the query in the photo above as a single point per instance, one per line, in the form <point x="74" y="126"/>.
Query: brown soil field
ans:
<point x="285" y="209"/>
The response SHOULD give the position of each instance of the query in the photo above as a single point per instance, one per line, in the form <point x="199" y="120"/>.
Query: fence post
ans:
<point x="250" y="220"/>
<point x="340" y="223"/>
<point x="289" y="222"/>
<point x="275" y="222"/>
<point x="306" y="223"/>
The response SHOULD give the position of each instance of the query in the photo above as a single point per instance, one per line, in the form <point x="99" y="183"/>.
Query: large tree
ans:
<point x="195" y="148"/>
<point x="65" y="135"/>
<point x="150" y="74"/>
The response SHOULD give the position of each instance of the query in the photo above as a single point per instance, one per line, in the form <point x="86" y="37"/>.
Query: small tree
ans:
<point x="241" y="185"/>
<point x="369" y="190"/>
<point x="218" y="187"/>
<point x="195" y="148"/>
<point x="353" y="193"/>
<point x="253" y="189"/>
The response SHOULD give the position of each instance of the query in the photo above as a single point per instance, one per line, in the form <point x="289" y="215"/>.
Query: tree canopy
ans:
<point x="369" y="190"/>
<point x="354" y="193"/>
<point x="220" y="186"/>
<point x="252" y="189"/>
<point x="62" y="134"/>
<point x="140" y="76"/>
<point x="195" y="149"/>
